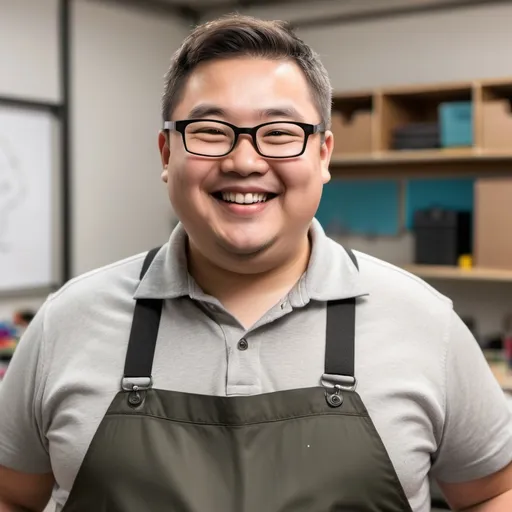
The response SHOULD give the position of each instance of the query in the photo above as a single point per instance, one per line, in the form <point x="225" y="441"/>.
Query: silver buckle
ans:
<point x="334" y="383"/>
<point x="136" y="383"/>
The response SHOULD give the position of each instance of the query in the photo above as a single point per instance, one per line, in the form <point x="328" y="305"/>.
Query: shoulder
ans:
<point x="102" y="289"/>
<point x="405" y="317"/>
<point x="396" y="286"/>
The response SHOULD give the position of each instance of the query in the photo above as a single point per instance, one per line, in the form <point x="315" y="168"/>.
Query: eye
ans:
<point x="211" y="131"/>
<point x="276" y="133"/>
<point x="208" y="131"/>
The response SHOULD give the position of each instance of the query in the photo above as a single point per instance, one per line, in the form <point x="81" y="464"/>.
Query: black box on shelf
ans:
<point x="416" y="136"/>
<point x="441" y="236"/>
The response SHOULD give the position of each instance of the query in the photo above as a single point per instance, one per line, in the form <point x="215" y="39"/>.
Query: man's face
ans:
<point x="246" y="92"/>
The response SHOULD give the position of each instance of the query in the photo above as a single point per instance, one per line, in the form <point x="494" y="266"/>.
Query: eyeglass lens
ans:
<point x="210" y="138"/>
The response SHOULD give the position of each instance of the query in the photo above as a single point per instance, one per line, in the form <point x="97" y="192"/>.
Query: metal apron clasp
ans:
<point x="334" y="385"/>
<point x="135" y="385"/>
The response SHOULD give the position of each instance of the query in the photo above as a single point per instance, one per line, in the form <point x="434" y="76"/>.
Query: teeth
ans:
<point x="238" y="198"/>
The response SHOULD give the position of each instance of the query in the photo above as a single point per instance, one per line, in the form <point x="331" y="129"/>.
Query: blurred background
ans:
<point x="422" y="168"/>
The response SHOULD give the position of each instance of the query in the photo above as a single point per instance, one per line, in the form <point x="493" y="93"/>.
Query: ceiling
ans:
<point x="202" y="6"/>
<point x="331" y="11"/>
<point x="209" y="4"/>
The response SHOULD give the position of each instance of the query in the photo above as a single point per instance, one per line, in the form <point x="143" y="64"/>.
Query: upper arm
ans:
<point x="23" y="442"/>
<point x="476" y="440"/>
<point x="30" y="491"/>
<point x="463" y="495"/>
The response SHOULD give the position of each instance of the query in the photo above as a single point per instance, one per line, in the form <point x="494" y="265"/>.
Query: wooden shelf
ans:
<point x="460" y="274"/>
<point x="386" y="157"/>
<point x="419" y="163"/>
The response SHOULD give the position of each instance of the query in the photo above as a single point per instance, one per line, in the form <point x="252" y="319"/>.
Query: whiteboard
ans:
<point x="26" y="175"/>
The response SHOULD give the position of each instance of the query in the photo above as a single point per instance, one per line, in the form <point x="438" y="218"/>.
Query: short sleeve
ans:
<point x="22" y="443"/>
<point x="477" y="435"/>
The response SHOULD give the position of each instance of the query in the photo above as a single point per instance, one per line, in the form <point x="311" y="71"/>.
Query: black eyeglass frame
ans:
<point x="180" y="127"/>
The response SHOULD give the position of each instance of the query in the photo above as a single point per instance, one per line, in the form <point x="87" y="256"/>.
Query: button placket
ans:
<point x="244" y="370"/>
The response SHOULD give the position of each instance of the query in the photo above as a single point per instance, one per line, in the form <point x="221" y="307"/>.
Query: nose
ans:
<point x="244" y="159"/>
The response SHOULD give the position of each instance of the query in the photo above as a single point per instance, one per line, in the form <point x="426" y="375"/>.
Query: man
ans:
<point x="251" y="364"/>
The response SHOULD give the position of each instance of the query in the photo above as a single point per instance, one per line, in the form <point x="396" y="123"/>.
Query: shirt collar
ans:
<point x="331" y="274"/>
<point x="167" y="277"/>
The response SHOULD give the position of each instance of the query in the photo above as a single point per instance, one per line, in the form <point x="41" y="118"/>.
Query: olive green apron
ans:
<point x="303" y="450"/>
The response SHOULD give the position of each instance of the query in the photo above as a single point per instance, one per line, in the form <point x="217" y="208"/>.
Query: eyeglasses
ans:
<point x="278" y="139"/>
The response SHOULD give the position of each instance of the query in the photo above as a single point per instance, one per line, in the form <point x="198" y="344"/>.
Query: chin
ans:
<point x="247" y="249"/>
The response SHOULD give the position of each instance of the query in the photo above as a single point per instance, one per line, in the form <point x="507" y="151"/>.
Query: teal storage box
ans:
<point x="456" y="124"/>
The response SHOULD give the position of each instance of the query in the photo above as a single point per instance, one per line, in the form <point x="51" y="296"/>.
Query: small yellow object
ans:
<point x="466" y="261"/>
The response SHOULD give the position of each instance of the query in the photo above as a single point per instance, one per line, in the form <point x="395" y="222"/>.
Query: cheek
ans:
<point x="302" y="178"/>
<point x="304" y="184"/>
<point x="186" y="179"/>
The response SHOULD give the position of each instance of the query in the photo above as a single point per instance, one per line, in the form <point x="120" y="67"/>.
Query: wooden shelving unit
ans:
<point x="490" y="153"/>
<point x="460" y="274"/>
<point x="369" y="119"/>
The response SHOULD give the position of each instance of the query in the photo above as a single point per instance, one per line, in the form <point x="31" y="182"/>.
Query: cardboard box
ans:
<point x="352" y="135"/>
<point x="493" y="223"/>
<point x="497" y="125"/>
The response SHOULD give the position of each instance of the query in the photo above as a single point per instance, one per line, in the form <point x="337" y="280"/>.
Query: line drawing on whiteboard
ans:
<point x="13" y="189"/>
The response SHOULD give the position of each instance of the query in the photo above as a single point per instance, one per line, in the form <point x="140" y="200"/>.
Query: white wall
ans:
<point x="29" y="49"/>
<point x="459" y="44"/>
<point x="120" y="206"/>
<point x="120" y="55"/>
<point x="462" y="44"/>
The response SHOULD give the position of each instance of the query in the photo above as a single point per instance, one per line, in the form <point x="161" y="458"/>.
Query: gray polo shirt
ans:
<point x="420" y="373"/>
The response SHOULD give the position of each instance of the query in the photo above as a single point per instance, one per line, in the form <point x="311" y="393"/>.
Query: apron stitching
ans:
<point x="211" y="424"/>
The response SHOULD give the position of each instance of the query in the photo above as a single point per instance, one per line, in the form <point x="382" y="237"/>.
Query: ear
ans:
<point x="165" y="153"/>
<point x="325" y="156"/>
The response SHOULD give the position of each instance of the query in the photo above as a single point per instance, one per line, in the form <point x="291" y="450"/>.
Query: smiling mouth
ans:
<point x="239" y="198"/>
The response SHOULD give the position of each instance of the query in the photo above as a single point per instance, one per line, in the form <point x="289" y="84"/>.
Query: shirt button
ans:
<point x="243" y="344"/>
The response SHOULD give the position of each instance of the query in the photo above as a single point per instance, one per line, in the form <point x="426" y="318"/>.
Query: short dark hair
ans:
<point x="236" y="35"/>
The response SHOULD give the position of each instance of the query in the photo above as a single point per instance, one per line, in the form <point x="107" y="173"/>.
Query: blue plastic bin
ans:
<point x="456" y="124"/>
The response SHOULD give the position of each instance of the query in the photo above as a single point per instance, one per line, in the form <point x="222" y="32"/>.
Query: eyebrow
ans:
<point x="207" y="110"/>
<point x="287" y="112"/>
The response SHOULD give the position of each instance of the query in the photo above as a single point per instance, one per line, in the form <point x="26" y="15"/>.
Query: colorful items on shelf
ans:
<point x="10" y="334"/>
<point x="8" y="339"/>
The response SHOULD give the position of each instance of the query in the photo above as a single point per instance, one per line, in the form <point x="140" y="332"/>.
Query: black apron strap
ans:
<point x="340" y="340"/>
<point x="340" y="337"/>
<point x="141" y="345"/>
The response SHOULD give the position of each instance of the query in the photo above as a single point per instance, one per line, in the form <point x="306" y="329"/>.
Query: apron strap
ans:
<point x="340" y="340"/>
<point x="141" y="345"/>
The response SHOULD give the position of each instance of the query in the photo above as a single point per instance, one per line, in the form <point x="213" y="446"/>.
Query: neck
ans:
<point x="272" y="283"/>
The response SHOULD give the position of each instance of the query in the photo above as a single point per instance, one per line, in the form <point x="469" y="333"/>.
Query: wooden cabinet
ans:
<point x="364" y="123"/>
<point x="493" y="223"/>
